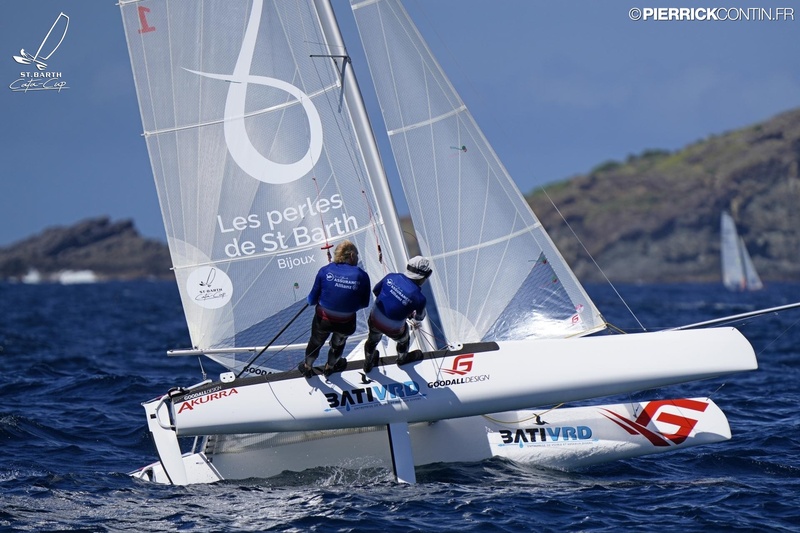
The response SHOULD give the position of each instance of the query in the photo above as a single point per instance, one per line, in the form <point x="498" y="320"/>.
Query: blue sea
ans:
<point x="76" y="361"/>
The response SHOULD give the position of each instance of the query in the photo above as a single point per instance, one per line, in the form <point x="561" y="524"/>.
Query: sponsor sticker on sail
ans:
<point x="209" y="287"/>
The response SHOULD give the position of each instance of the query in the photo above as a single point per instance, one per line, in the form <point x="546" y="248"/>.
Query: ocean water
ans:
<point x="76" y="362"/>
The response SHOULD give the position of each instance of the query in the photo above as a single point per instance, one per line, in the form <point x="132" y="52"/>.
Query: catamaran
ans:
<point x="264" y="158"/>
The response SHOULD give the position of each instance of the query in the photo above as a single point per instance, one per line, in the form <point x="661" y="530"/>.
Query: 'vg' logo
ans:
<point x="461" y="365"/>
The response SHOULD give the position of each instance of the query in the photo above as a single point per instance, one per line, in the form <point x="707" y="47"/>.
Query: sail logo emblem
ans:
<point x="462" y="365"/>
<point x="209" y="287"/>
<point x="237" y="138"/>
<point x="41" y="79"/>
<point x="576" y="318"/>
<point x="669" y="418"/>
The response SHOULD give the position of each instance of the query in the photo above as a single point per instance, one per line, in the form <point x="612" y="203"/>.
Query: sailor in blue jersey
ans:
<point x="398" y="297"/>
<point x="340" y="289"/>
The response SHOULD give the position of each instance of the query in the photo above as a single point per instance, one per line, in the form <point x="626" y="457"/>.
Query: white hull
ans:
<point x="511" y="375"/>
<point x="564" y="439"/>
<point x="432" y="404"/>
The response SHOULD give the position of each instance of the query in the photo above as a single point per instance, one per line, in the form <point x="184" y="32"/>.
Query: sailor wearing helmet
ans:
<point x="397" y="297"/>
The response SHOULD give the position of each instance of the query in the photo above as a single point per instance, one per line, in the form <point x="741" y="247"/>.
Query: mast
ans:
<point x="366" y="137"/>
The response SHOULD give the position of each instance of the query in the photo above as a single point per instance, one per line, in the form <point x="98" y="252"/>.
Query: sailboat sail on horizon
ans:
<point x="738" y="271"/>
<point x="264" y="158"/>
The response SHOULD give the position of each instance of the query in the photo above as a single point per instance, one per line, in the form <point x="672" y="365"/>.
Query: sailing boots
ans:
<point x="371" y="361"/>
<point x="306" y="370"/>
<point x="410" y="357"/>
<point x="338" y="366"/>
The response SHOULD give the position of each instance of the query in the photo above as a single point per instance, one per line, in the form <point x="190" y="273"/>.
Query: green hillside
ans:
<point x="655" y="217"/>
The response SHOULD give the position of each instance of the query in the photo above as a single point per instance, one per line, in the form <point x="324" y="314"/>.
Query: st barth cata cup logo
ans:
<point x="41" y="79"/>
<point x="239" y="144"/>
<point x="49" y="45"/>
<point x="209" y="287"/>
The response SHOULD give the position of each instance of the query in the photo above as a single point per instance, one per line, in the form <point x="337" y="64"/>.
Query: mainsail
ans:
<point x="497" y="274"/>
<point x="258" y="163"/>
<point x="738" y="271"/>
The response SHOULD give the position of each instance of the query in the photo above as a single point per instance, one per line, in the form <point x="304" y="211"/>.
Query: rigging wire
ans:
<point x="534" y="416"/>
<point x="374" y="226"/>
<point x="302" y="333"/>
<point x="779" y="336"/>
<point x="580" y="242"/>
<point x="202" y="368"/>
<point x="609" y="325"/>
<point x="350" y="140"/>
<point x="434" y="337"/>
<point x="328" y="245"/>
<point x="250" y="362"/>
<point x="425" y="339"/>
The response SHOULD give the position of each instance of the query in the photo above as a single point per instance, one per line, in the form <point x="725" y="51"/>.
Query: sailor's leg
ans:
<point x="337" y="363"/>
<point x="402" y="346"/>
<point x="338" y="341"/>
<point x="319" y="334"/>
<point x="371" y="355"/>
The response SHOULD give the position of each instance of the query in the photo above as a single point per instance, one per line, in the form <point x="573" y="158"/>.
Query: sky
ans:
<point x="557" y="87"/>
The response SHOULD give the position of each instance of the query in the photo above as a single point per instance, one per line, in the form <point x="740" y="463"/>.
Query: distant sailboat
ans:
<point x="738" y="272"/>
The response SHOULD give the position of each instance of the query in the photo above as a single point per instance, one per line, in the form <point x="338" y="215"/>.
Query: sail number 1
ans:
<point x="145" y="27"/>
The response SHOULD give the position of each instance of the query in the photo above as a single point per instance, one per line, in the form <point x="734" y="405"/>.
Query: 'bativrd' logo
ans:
<point x="42" y="79"/>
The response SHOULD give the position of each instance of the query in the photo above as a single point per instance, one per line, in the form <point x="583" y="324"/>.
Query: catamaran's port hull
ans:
<point x="473" y="380"/>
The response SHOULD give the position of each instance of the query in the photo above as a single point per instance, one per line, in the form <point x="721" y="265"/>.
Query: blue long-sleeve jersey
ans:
<point x="397" y="297"/>
<point x="341" y="288"/>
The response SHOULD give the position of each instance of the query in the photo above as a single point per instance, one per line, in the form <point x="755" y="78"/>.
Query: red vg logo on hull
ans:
<point x="462" y="365"/>
<point x="665" y="413"/>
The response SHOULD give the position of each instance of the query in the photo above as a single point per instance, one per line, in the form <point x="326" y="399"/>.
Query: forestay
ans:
<point x="257" y="163"/>
<point x="497" y="274"/>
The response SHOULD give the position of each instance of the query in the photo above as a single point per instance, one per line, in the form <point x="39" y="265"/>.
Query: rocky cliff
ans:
<point x="111" y="250"/>
<point x="656" y="217"/>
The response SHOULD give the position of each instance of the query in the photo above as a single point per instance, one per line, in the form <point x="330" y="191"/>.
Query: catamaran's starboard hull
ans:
<point x="564" y="439"/>
<point x="476" y="379"/>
